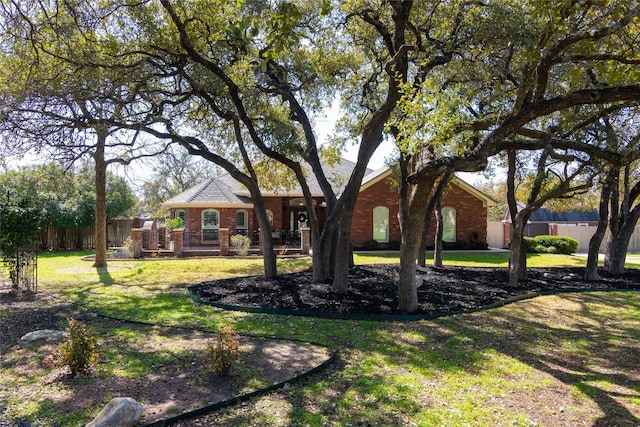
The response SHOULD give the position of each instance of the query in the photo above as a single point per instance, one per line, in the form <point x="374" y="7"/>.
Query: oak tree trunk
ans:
<point x="437" y="250"/>
<point x="610" y="181"/>
<point x="101" y="203"/>
<point x="518" y="251"/>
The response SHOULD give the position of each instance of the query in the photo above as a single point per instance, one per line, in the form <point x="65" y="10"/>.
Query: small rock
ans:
<point x="42" y="337"/>
<point x="119" y="412"/>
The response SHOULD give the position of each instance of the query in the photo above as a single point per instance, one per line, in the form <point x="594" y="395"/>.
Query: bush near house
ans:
<point x="241" y="244"/>
<point x="551" y="244"/>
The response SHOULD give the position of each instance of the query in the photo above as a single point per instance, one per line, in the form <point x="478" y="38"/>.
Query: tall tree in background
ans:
<point x="60" y="98"/>
<point x="64" y="200"/>
<point x="172" y="173"/>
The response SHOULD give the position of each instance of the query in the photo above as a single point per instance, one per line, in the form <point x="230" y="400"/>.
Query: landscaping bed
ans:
<point x="162" y="367"/>
<point x="373" y="289"/>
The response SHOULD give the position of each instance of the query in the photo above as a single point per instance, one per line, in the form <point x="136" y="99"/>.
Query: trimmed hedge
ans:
<point x="551" y="245"/>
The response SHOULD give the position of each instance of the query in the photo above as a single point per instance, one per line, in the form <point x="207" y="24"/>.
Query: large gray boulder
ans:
<point x="36" y="339"/>
<point x="119" y="412"/>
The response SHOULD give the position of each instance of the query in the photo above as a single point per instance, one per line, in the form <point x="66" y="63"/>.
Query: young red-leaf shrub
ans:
<point x="78" y="351"/>
<point x="223" y="352"/>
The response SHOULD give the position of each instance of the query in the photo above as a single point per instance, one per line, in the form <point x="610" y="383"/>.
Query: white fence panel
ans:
<point x="583" y="235"/>
<point x="495" y="234"/>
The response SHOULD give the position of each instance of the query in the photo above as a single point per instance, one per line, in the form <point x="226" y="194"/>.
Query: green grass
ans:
<point x="569" y="359"/>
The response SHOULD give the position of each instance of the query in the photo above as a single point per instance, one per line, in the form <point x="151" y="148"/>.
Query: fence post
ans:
<point x="136" y="242"/>
<point x="224" y="241"/>
<point x="305" y="240"/>
<point x="177" y="241"/>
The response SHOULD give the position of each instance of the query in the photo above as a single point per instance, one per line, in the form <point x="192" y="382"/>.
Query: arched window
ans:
<point x="241" y="222"/>
<point x="448" y="224"/>
<point x="381" y="223"/>
<point x="210" y="225"/>
<point x="180" y="213"/>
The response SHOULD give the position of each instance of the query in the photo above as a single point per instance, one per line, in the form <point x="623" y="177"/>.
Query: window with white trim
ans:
<point x="180" y="213"/>
<point x="210" y="225"/>
<point x="381" y="223"/>
<point x="448" y="224"/>
<point x="270" y="217"/>
<point x="241" y="222"/>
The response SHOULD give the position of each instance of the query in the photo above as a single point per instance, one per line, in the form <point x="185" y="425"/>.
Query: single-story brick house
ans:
<point x="221" y="203"/>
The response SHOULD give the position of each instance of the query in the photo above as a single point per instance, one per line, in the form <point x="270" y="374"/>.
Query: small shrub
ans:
<point x="78" y="351"/>
<point x="241" y="244"/>
<point x="394" y="245"/>
<point x="463" y="245"/>
<point x="127" y="245"/>
<point x="530" y="243"/>
<point x="173" y="223"/>
<point x="560" y="244"/>
<point x="480" y="245"/>
<point x="372" y="245"/>
<point x="223" y="352"/>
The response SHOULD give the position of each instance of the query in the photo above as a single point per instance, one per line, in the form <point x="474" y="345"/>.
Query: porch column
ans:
<point x="136" y="242"/>
<point x="305" y="240"/>
<point x="224" y="241"/>
<point x="177" y="241"/>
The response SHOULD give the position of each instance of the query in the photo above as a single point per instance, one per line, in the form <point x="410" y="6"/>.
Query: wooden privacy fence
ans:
<point x="84" y="237"/>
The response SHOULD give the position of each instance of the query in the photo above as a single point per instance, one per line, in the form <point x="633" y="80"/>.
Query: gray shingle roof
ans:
<point x="545" y="215"/>
<point x="212" y="190"/>
<point x="226" y="190"/>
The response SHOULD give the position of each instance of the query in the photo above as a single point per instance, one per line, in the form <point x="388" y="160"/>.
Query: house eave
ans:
<point x="209" y="205"/>
<point x="375" y="180"/>
<point x="283" y="194"/>
<point x="486" y="200"/>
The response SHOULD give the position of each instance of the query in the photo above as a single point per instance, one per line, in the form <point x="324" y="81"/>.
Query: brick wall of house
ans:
<point x="382" y="193"/>
<point x="193" y="218"/>
<point x="471" y="215"/>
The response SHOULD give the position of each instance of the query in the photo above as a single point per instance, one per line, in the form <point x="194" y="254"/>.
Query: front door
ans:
<point x="298" y="218"/>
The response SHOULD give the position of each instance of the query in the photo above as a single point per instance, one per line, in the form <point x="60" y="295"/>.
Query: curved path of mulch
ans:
<point x="372" y="293"/>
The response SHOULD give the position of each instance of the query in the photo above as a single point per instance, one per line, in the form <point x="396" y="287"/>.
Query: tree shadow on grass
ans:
<point x="104" y="275"/>
<point x="554" y="360"/>
<point x="578" y="339"/>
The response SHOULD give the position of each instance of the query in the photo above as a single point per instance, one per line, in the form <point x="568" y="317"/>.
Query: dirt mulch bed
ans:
<point x="373" y="289"/>
<point x="177" y="384"/>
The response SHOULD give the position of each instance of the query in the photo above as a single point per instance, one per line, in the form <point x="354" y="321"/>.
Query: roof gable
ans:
<point x="382" y="173"/>
<point x="214" y="190"/>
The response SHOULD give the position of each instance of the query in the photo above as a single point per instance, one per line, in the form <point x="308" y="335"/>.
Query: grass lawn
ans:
<point x="556" y="361"/>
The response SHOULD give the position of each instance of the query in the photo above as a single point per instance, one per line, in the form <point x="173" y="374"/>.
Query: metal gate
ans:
<point x="23" y="271"/>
